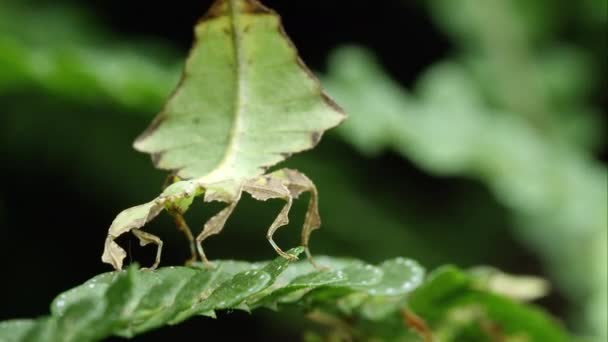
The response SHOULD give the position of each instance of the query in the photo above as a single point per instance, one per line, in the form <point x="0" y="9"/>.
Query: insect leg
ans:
<point x="268" y="187"/>
<point x="213" y="226"/>
<point x="281" y="220"/>
<point x="298" y="183"/>
<point x="146" y="238"/>
<point x="181" y="225"/>
<point x="179" y="220"/>
<point x="312" y="221"/>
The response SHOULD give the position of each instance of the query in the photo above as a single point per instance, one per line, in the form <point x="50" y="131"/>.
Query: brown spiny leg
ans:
<point x="179" y="220"/>
<point x="181" y="224"/>
<point x="269" y="187"/>
<point x="213" y="226"/>
<point x="146" y="238"/>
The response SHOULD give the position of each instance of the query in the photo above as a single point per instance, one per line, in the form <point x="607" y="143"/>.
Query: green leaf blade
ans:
<point x="16" y="329"/>
<point x="131" y="302"/>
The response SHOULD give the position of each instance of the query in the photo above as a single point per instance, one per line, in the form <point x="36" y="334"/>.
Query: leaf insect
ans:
<point x="227" y="123"/>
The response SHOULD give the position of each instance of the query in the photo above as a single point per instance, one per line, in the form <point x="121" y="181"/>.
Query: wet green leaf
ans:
<point x="369" y="300"/>
<point x="130" y="302"/>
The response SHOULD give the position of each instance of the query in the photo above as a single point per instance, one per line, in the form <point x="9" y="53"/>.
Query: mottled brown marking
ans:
<point x="285" y="155"/>
<point x="255" y="7"/>
<point x="294" y="178"/>
<point x="222" y="7"/>
<point x="329" y="101"/>
<point x="217" y="9"/>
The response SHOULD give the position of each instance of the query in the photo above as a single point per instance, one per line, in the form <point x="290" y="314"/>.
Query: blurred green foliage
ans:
<point x="456" y="300"/>
<point x="503" y="134"/>
<point x="550" y="187"/>
<point x="513" y="115"/>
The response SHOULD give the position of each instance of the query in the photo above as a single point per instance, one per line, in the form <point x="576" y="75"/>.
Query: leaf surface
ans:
<point x="128" y="303"/>
<point x="370" y="300"/>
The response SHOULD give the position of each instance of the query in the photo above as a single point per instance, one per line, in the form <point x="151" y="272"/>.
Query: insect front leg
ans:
<point x="281" y="220"/>
<point x="146" y="238"/>
<point x="213" y="226"/>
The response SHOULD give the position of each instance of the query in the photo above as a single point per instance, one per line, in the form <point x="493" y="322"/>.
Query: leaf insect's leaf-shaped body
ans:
<point x="245" y="102"/>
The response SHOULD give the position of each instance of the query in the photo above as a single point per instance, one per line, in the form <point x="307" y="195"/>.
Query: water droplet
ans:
<point x="91" y="285"/>
<point x="60" y="303"/>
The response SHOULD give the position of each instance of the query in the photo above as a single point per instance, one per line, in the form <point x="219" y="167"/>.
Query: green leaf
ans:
<point x="16" y="329"/>
<point x="127" y="303"/>
<point x="453" y="301"/>
<point x="245" y="102"/>
<point x="365" y="301"/>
